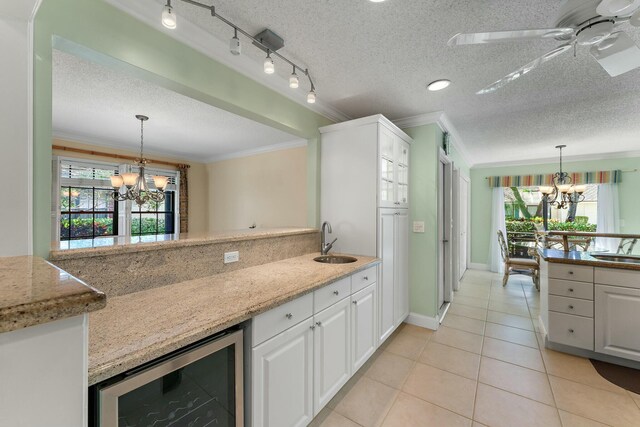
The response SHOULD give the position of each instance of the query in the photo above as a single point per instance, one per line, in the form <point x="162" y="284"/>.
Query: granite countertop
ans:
<point x="33" y="291"/>
<point x="112" y="245"/>
<point x="585" y="258"/>
<point x="142" y="326"/>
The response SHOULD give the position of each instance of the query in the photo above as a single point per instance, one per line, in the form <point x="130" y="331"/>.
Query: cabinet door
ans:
<point x="332" y="358"/>
<point x="386" y="251"/>
<point x="363" y="326"/>
<point x="401" y="266"/>
<point x="402" y="173"/>
<point x="386" y="141"/>
<point x="617" y="318"/>
<point x="282" y="389"/>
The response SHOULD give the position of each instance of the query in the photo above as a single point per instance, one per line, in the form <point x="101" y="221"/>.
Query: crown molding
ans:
<point x="260" y="150"/>
<point x="363" y="121"/>
<point x="565" y="159"/>
<point x="419" y="120"/>
<point x="148" y="11"/>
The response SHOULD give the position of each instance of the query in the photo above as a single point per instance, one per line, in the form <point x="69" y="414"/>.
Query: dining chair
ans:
<point x="522" y="265"/>
<point x="626" y="245"/>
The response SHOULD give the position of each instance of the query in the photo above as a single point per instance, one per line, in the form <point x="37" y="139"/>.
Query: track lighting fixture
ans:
<point x="269" y="66"/>
<point x="266" y="40"/>
<point x="293" y="79"/>
<point x="168" y="17"/>
<point x="234" y="45"/>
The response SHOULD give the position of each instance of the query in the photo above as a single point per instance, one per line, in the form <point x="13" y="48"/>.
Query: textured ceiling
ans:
<point x="94" y="104"/>
<point x="369" y="58"/>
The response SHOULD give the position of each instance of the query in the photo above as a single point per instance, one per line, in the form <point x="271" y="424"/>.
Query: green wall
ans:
<point x="100" y="32"/>
<point x="423" y="247"/>
<point x="459" y="162"/>
<point x="481" y="196"/>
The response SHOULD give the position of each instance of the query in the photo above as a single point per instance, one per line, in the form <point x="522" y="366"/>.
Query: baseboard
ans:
<point x="478" y="266"/>
<point x="423" y="321"/>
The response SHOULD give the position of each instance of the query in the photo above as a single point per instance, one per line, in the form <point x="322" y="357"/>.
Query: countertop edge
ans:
<point x="102" y="372"/>
<point x="589" y="262"/>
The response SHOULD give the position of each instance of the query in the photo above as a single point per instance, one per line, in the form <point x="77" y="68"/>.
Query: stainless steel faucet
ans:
<point x="326" y="247"/>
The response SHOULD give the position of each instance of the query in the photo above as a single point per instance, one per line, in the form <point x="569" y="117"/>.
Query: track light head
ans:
<point x="234" y="44"/>
<point x="168" y="17"/>
<point x="294" y="83"/>
<point x="269" y="66"/>
<point x="311" y="96"/>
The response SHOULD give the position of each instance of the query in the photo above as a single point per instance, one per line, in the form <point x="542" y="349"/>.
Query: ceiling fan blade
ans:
<point x="617" y="54"/>
<point x="502" y="36"/>
<point x="524" y="69"/>
<point x="611" y="8"/>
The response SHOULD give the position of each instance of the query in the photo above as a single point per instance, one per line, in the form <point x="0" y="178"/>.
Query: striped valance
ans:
<point x="598" y="177"/>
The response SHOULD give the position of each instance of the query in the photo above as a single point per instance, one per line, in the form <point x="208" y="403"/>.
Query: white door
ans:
<point x="401" y="287"/>
<point x="363" y="326"/>
<point x="617" y="316"/>
<point x="464" y="225"/>
<point x="455" y="229"/>
<point x="386" y="251"/>
<point x="282" y="389"/>
<point x="332" y="358"/>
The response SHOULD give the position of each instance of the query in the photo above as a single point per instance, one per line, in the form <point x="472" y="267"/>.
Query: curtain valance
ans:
<point x="597" y="177"/>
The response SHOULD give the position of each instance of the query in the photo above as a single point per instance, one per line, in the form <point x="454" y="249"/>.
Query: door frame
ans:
<point x="444" y="232"/>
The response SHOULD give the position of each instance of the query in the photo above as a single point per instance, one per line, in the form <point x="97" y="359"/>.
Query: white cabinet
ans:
<point x="617" y="319"/>
<point x="332" y="355"/>
<point x="386" y="293"/>
<point x="282" y="387"/>
<point x="401" y="266"/>
<point x="363" y="326"/>
<point x="394" y="169"/>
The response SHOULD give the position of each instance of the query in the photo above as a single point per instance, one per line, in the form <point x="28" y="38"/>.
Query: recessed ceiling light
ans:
<point x="438" y="85"/>
<point x="376" y="1"/>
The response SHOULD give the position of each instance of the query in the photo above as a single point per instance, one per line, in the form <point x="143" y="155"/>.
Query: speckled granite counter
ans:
<point x="139" y="327"/>
<point x="583" y="258"/>
<point x="33" y="292"/>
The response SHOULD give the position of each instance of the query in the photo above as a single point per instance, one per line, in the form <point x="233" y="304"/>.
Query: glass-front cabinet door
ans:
<point x="402" y="168"/>
<point x="387" y="168"/>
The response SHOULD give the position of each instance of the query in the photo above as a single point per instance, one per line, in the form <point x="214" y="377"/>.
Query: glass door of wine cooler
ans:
<point x="197" y="388"/>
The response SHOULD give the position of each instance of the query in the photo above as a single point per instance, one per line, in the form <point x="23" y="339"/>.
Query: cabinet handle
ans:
<point x="336" y="293"/>
<point x="365" y="277"/>
<point x="571" y="272"/>
<point x="570" y="289"/>
<point x="570" y="307"/>
<point x="319" y="323"/>
<point x="312" y="327"/>
<point x="570" y="331"/>
<point x="354" y="302"/>
<point x="288" y="315"/>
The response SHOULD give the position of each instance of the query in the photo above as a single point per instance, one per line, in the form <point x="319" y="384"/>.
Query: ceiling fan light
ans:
<point x="617" y="7"/>
<point x="168" y="17"/>
<point x="438" y="85"/>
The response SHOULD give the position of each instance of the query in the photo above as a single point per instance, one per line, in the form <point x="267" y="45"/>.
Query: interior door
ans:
<point x="463" y="225"/>
<point x="445" y="289"/>
<point x="455" y="229"/>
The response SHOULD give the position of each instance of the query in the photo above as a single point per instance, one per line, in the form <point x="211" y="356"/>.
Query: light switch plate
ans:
<point x="418" y="226"/>
<point x="231" y="257"/>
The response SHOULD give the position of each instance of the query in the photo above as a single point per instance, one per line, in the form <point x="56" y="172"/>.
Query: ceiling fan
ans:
<point x="591" y="23"/>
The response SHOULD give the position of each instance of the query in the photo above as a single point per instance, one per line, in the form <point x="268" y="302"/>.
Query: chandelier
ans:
<point x="135" y="185"/>
<point x="563" y="193"/>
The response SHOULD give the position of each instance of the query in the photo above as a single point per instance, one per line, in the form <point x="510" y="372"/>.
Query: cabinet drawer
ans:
<point x="580" y="273"/>
<point x="571" y="330"/>
<point x="579" y="307"/>
<point x="617" y="277"/>
<point x="364" y="278"/>
<point x="571" y="288"/>
<point x="331" y="294"/>
<point x="276" y="320"/>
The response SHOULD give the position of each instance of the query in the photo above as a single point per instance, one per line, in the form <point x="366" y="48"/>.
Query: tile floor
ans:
<point x="483" y="367"/>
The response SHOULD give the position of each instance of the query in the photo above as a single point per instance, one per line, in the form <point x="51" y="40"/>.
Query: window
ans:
<point x="86" y="210"/>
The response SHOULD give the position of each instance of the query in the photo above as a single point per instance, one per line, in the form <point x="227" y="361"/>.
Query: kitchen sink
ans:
<point x="617" y="258"/>
<point x="335" y="259"/>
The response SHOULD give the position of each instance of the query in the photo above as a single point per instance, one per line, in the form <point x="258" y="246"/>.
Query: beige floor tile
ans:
<point x="572" y="420"/>
<point x="468" y="324"/>
<point x="471" y="301"/>
<point x="344" y="390"/>
<point x="389" y="369"/>
<point x="578" y="369"/>
<point x="635" y="397"/>
<point x="367" y="403"/>
<point x="504" y="307"/>
<point x="459" y="339"/>
<point x="416" y="331"/>
<point x="405" y="345"/>
<point x="472" y="291"/>
<point x="329" y="418"/>
<point x="497" y="289"/>
<point x="511" y="334"/>
<point x="510" y="320"/>
<point x="465" y="310"/>
<point x="451" y="359"/>
<point x="513" y="353"/>
<point x="498" y="408"/>
<point x="442" y="388"/>
<point x="477" y="424"/>
<point x="594" y="403"/>
<point x="411" y="411"/>
<point x="516" y="379"/>
<point x="508" y="298"/>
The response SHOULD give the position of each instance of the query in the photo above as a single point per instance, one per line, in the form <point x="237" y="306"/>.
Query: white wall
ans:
<point x="15" y="122"/>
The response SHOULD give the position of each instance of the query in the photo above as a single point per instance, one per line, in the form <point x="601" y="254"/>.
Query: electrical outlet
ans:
<point x="418" y="226"/>
<point x="231" y="257"/>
